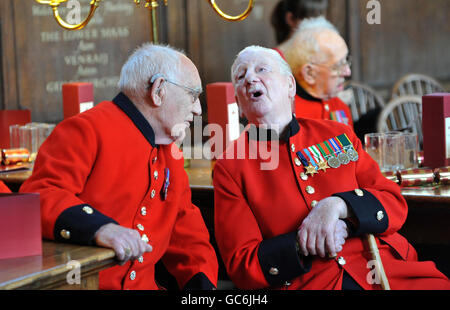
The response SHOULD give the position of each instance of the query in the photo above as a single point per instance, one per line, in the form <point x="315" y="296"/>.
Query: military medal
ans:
<point x="348" y="147"/>
<point x="323" y="166"/>
<point x="313" y="162"/>
<point x="166" y="184"/>
<point x="339" y="116"/>
<point x="342" y="157"/>
<point x="320" y="157"/>
<point x="311" y="170"/>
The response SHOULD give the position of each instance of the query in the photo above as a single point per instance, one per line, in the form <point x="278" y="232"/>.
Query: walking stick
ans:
<point x="379" y="268"/>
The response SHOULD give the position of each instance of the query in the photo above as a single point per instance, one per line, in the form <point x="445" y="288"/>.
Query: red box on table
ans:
<point x="77" y="98"/>
<point x="436" y="130"/>
<point x="8" y="118"/>
<point x="223" y="111"/>
<point x="20" y="225"/>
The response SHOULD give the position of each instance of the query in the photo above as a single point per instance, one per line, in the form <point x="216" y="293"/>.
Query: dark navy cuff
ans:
<point x="78" y="224"/>
<point x="371" y="217"/>
<point x="280" y="261"/>
<point x="199" y="282"/>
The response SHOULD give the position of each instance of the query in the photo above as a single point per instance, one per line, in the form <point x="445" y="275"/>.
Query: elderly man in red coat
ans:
<point x="318" y="57"/>
<point x="301" y="222"/>
<point x="113" y="177"/>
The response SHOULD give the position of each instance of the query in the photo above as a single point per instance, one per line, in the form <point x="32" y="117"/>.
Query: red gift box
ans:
<point x="222" y="111"/>
<point x="20" y="225"/>
<point x="77" y="98"/>
<point x="436" y="130"/>
<point x="8" y="118"/>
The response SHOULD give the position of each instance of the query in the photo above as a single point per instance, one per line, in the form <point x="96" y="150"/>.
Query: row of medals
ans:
<point x="335" y="161"/>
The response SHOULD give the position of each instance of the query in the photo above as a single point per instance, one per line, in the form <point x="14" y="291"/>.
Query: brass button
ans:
<point x="359" y="192"/>
<point x="155" y="175"/>
<point x="341" y="261"/>
<point x="303" y="176"/>
<point x="293" y="147"/>
<point x="380" y="215"/>
<point x="88" y="210"/>
<point x="132" y="275"/>
<point x="297" y="162"/>
<point x="310" y="190"/>
<point x="140" y="227"/>
<point x="314" y="203"/>
<point x="141" y="259"/>
<point x="144" y="238"/>
<point x="273" y="271"/>
<point x="152" y="194"/>
<point x="154" y="159"/>
<point x="65" y="234"/>
<point x="327" y="107"/>
<point x="144" y="211"/>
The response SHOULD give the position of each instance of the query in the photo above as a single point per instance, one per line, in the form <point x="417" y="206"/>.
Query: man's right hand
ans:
<point x="127" y="243"/>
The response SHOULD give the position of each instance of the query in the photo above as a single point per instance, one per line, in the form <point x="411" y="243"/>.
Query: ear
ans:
<point x="308" y="74"/>
<point x="157" y="92"/>
<point x="241" y="114"/>
<point x="292" y="87"/>
<point x="291" y="20"/>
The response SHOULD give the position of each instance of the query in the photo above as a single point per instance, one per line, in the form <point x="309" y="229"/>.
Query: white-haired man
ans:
<point x="110" y="177"/>
<point x="319" y="60"/>
<point x="301" y="225"/>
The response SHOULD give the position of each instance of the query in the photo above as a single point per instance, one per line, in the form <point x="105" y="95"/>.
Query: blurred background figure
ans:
<point x="320" y="61"/>
<point x="287" y="14"/>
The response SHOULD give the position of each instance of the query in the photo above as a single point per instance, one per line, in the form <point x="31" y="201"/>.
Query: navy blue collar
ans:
<point x="257" y="134"/>
<point x="124" y="103"/>
<point x="302" y="93"/>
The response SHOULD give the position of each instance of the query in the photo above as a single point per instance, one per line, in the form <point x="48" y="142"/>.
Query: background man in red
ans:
<point x="113" y="177"/>
<point x="4" y="188"/>
<point x="318" y="57"/>
<point x="302" y="224"/>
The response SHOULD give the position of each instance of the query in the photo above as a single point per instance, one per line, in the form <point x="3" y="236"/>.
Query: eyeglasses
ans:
<point x="194" y="92"/>
<point x="340" y="68"/>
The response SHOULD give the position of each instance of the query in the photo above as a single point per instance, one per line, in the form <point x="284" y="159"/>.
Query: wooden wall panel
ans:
<point x="9" y="94"/>
<point x="414" y="36"/>
<point x="47" y="55"/>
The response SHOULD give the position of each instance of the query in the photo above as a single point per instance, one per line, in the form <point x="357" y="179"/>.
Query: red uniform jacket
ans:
<point x="103" y="166"/>
<point x="306" y="106"/>
<point x="4" y="188"/>
<point x="258" y="212"/>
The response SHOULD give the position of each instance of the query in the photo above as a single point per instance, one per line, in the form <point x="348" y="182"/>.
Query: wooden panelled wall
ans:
<point x="37" y="55"/>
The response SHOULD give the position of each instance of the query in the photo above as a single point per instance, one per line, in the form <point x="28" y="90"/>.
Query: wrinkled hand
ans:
<point x="322" y="232"/>
<point x="125" y="242"/>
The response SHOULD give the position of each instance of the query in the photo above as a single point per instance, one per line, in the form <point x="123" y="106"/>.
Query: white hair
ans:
<point x="146" y="61"/>
<point x="283" y="65"/>
<point x="303" y="47"/>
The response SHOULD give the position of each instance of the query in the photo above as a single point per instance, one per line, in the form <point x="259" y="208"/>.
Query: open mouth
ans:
<point x="254" y="94"/>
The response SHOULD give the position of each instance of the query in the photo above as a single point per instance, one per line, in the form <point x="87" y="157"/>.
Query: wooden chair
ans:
<point x="416" y="85"/>
<point x="402" y="114"/>
<point x="361" y="99"/>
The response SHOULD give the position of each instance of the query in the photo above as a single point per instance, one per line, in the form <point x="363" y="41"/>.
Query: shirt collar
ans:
<point x="262" y="134"/>
<point x="302" y="93"/>
<point x="124" y="103"/>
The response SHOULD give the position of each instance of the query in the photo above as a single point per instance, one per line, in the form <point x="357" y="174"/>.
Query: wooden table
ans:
<point x="50" y="270"/>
